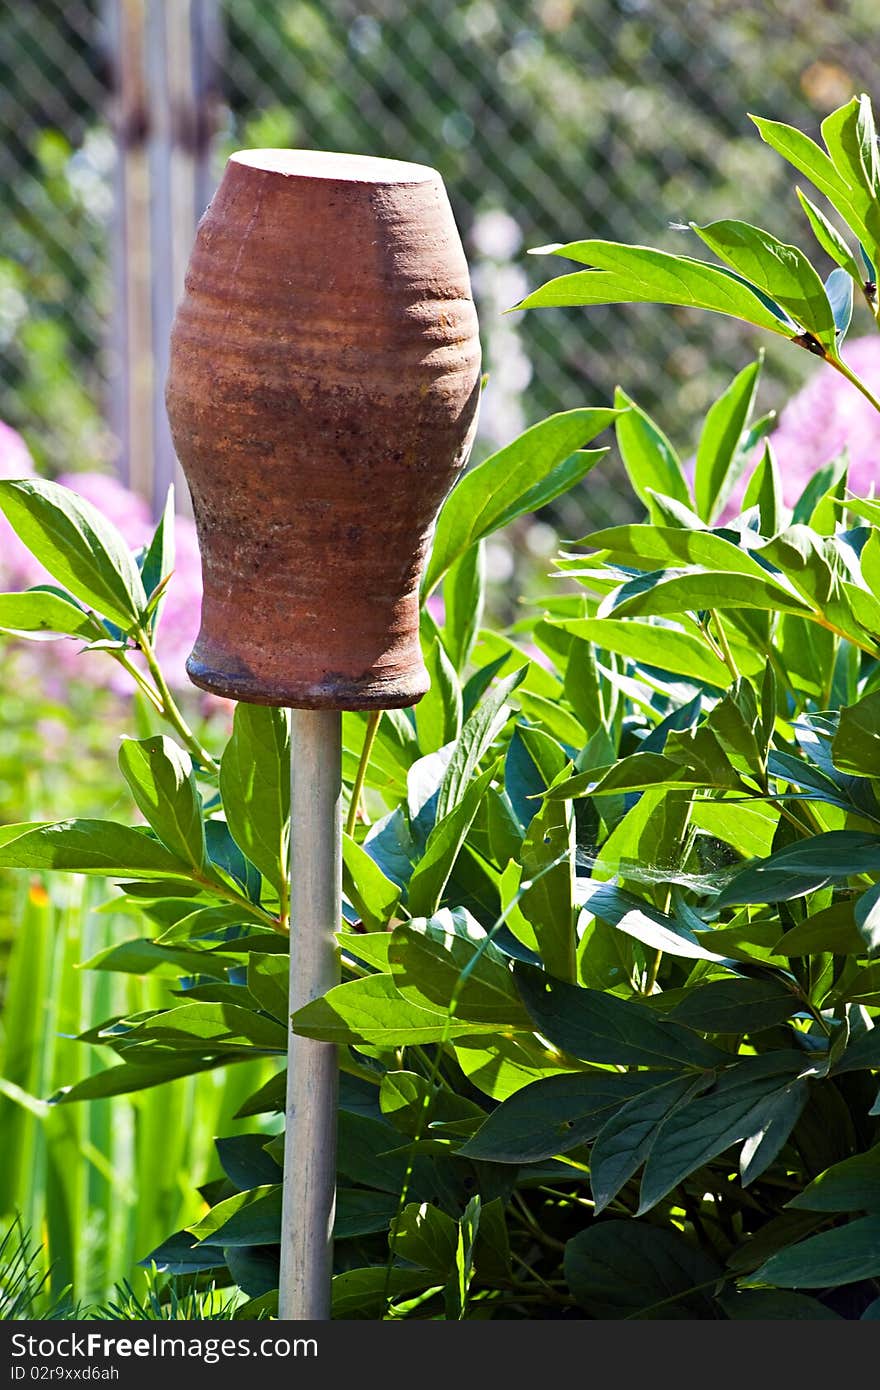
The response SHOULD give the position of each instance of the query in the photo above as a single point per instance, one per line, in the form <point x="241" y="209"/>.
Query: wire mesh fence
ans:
<point x="549" y="120"/>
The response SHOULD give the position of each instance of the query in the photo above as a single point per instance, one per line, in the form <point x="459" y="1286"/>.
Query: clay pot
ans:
<point x="322" y="397"/>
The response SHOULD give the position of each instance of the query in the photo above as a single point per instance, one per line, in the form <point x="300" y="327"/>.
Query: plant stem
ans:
<point x="142" y="684"/>
<point x="724" y="646"/>
<point x="653" y="972"/>
<point x="840" y="366"/>
<point x="533" y="1228"/>
<point x="223" y="890"/>
<point x="361" y="775"/>
<point x="169" y="709"/>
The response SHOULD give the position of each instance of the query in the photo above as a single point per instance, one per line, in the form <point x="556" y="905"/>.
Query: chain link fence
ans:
<point x="550" y="120"/>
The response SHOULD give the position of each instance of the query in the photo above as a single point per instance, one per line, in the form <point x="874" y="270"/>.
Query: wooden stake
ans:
<point x="312" y="1077"/>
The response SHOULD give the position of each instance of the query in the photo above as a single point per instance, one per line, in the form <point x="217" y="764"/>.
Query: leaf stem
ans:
<point x="724" y="646"/>
<point x="231" y="895"/>
<point x="169" y="709"/>
<point x="361" y="775"/>
<point x="532" y="1225"/>
<point x="840" y="366"/>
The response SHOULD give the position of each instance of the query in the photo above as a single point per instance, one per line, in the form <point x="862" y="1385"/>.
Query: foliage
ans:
<point x="24" y="1292"/>
<point x="608" y="1019"/>
<point x="710" y="969"/>
<point x="761" y="280"/>
<point x="545" y="110"/>
<point x="23" y="1282"/>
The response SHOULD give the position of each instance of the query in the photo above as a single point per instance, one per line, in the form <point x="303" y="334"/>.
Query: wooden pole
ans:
<point x="165" y="105"/>
<point x="312" y="1079"/>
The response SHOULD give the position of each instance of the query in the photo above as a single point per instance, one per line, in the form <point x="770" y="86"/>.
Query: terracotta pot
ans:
<point x="322" y="397"/>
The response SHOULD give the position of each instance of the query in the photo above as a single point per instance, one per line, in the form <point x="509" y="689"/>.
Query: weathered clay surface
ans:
<point x="322" y="398"/>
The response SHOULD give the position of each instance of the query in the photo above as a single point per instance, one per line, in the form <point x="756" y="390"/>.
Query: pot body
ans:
<point x="322" y="395"/>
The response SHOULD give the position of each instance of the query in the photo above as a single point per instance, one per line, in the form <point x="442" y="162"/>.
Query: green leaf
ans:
<point x="746" y="828"/>
<point x="839" y="293"/>
<point x="371" y="947"/>
<point x="851" y="140"/>
<point x="362" y="1213"/>
<point x="650" y="460"/>
<point x="719" y="458"/>
<point x="41" y="610"/>
<point x="267" y="1099"/>
<point x="424" y="1236"/>
<point x="833" y="929"/>
<point x="853" y="1185"/>
<point x="781" y="271"/>
<point x="463" y="598"/>
<point x="863" y="1051"/>
<point x="652" y="547"/>
<point x="157" y="564"/>
<point x="841" y="1256"/>
<point x="626" y="1269"/>
<point x="458" y="1288"/>
<point x="500" y="1066"/>
<point x="804" y="866"/>
<point x="433" y="962"/>
<point x="644" y="922"/>
<point x="248" y="1218"/>
<point x="255" y="787"/>
<point x="737" y="1006"/>
<point x="408" y="1100"/>
<point x="160" y="776"/>
<point x="373" y="895"/>
<point x="144" y="956"/>
<point x="600" y="1027"/>
<point x="547" y="898"/>
<point x="674" y="592"/>
<point x="867" y="918"/>
<point x="775" y="1123"/>
<point x="267" y="981"/>
<point x="364" y="1293"/>
<point x="438" y="714"/>
<point x="446" y="838"/>
<point x="479" y="732"/>
<point x="141" y="1073"/>
<point x="538" y="466"/>
<point x="245" y="1162"/>
<point x="89" y="847"/>
<point x="77" y="545"/>
<point x="372" y="1010"/>
<point x="806" y="156"/>
<point x="763" y="1305"/>
<point x="180" y="1254"/>
<point x="829" y="239"/>
<point x="640" y="275"/>
<point x="855" y="748"/>
<point x="217" y="1026"/>
<point x="553" y="1115"/>
<point x="665" y="648"/>
<point x="765" y="492"/>
<point x="731" y="1110"/>
<point x="627" y="1138"/>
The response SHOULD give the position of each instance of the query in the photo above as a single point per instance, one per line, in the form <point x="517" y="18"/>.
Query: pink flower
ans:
<point x="827" y="415"/>
<point x="18" y="568"/>
<point x="437" y="608"/>
<point x="129" y="513"/>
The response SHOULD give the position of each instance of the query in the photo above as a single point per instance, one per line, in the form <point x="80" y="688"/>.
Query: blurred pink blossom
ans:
<point x="827" y="415"/>
<point x="179" y="623"/>
<point x="18" y="568"/>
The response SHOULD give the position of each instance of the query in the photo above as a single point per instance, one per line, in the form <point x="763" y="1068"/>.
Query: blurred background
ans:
<point x="550" y="120"/>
